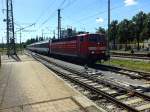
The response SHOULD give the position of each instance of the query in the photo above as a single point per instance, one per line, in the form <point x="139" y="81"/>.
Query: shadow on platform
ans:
<point x="16" y="57"/>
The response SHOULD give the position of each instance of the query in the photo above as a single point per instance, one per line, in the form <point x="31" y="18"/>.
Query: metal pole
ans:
<point x="0" y="61"/>
<point x="54" y="34"/>
<point x="42" y="34"/>
<point x="11" y="47"/>
<point x="2" y="45"/>
<point x="20" y="41"/>
<point x="7" y="27"/>
<point x="13" y="38"/>
<point x="59" y="24"/>
<point x="108" y="27"/>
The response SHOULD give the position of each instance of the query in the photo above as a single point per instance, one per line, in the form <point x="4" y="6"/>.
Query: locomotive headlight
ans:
<point x="93" y="52"/>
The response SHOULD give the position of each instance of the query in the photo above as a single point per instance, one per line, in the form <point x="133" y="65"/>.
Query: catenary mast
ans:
<point x="11" y="47"/>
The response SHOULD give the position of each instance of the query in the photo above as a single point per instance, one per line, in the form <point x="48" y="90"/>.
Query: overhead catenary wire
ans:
<point x="98" y="13"/>
<point x="41" y="15"/>
<point x="63" y="6"/>
<point x="82" y="20"/>
<point x="44" y="11"/>
<point x="69" y="4"/>
<point x="51" y="15"/>
<point x="46" y="20"/>
<point x="86" y="18"/>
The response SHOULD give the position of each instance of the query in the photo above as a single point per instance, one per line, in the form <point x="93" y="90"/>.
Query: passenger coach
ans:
<point x="40" y="47"/>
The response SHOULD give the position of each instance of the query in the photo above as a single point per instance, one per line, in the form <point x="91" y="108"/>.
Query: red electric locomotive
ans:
<point x="86" y="47"/>
<point x="89" y="47"/>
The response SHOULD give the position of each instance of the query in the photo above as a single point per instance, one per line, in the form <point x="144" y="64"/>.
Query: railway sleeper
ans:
<point x="92" y="84"/>
<point x="132" y="101"/>
<point x="122" y="97"/>
<point x="112" y="92"/>
<point x="98" y="86"/>
<point x="143" y="107"/>
<point x="94" y="97"/>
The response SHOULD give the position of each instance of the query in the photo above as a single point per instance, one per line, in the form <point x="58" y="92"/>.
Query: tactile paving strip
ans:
<point x="64" y="105"/>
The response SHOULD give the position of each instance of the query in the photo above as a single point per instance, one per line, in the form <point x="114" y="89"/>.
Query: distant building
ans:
<point x="147" y="44"/>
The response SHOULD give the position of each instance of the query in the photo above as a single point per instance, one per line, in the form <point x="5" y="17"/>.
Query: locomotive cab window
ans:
<point x="93" y="38"/>
<point x="81" y="39"/>
<point x="96" y="38"/>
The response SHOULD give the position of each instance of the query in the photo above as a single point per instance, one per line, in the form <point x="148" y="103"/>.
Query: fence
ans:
<point x="130" y="46"/>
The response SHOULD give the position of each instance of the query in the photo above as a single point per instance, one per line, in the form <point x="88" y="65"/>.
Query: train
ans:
<point x="85" y="47"/>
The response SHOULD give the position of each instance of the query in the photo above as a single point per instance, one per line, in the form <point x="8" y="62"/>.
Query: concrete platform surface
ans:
<point x="28" y="86"/>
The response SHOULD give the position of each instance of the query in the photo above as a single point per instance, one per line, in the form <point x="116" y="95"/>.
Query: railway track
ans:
<point x="131" y="73"/>
<point x="138" y="77"/>
<point x="105" y="93"/>
<point x="132" y="57"/>
<point x="130" y="54"/>
<point x="131" y="79"/>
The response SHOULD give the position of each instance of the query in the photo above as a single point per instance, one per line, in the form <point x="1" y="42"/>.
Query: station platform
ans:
<point x="28" y="86"/>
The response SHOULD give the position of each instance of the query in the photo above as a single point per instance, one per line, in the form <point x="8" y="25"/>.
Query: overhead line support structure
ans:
<point x="59" y="24"/>
<point x="108" y="35"/>
<point x="11" y="46"/>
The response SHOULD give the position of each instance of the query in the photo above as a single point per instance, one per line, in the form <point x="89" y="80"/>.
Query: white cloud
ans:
<point x="130" y="2"/>
<point x="99" y="20"/>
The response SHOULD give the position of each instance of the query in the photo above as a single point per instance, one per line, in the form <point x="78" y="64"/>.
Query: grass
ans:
<point x="130" y="64"/>
<point x="4" y="51"/>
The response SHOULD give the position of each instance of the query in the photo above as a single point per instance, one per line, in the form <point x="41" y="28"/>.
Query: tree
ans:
<point x="30" y="41"/>
<point x="146" y="30"/>
<point x="113" y="32"/>
<point x="37" y="39"/>
<point x="139" y="19"/>
<point x="101" y="30"/>
<point x="123" y="32"/>
<point x="138" y="28"/>
<point x="41" y="38"/>
<point x="132" y="31"/>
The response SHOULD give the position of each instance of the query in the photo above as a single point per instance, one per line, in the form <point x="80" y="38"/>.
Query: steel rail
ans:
<point x="132" y="57"/>
<point x="143" y="75"/>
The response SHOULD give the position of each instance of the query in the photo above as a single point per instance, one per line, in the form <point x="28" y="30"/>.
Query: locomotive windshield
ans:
<point x="96" y="38"/>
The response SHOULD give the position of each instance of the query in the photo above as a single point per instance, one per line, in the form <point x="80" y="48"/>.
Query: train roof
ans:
<point x="41" y="42"/>
<point x="83" y="34"/>
<point x="68" y="38"/>
<point x="90" y="34"/>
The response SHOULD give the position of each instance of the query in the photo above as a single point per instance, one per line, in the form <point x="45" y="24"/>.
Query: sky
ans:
<point x="80" y="14"/>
